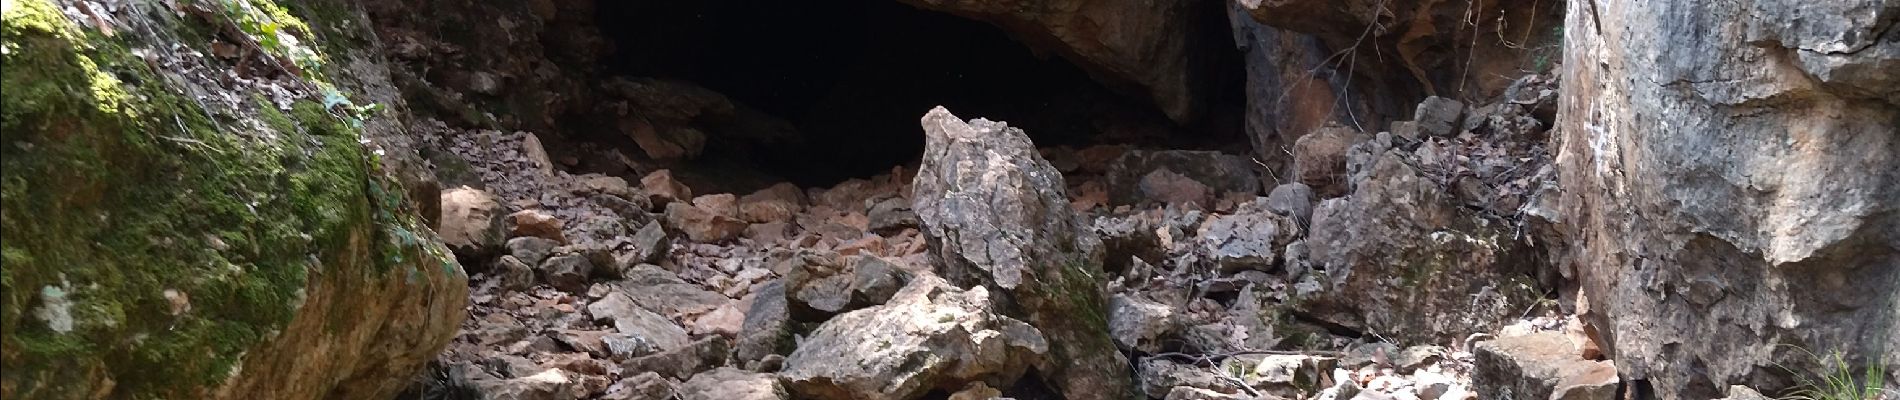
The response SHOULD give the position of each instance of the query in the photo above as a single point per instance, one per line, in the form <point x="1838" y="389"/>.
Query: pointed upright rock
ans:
<point x="995" y="214"/>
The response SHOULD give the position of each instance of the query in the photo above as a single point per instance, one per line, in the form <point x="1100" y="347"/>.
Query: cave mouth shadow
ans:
<point x="855" y="76"/>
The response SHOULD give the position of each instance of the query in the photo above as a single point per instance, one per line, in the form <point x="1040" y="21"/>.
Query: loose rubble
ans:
<point x="1171" y="274"/>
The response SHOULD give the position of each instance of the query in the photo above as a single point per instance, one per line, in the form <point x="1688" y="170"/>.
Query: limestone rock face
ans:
<point x="1720" y="204"/>
<point x="931" y="335"/>
<point x="995" y="214"/>
<point x="1284" y="99"/>
<point x="1142" y="46"/>
<point x="155" y="251"/>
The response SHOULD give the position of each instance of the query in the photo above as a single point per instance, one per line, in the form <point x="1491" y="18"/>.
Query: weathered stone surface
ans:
<point x="1502" y="120"/>
<point x="1738" y="392"/>
<point x="1541" y="365"/>
<point x="733" y="384"/>
<point x="531" y="250"/>
<point x="684" y="362"/>
<point x="650" y="243"/>
<point x="170" y="233"/>
<point x="1280" y="375"/>
<point x="471" y="222"/>
<point x="1140" y="324"/>
<point x="665" y="293"/>
<point x="1194" y="393"/>
<point x="536" y="154"/>
<point x="1168" y="187"/>
<point x="703" y="225"/>
<point x="536" y="224"/>
<point x="891" y="215"/>
<point x="644" y="386"/>
<point x="1400" y="259"/>
<point x="767" y="327"/>
<point x="567" y="272"/>
<point x="777" y="203"/>
<point x="1438" y="116"/>
<point x="550" y="384"/>
<point x="874" y="281"/>
<point x="1220" y="174"/>
<point x="995" y="214"/>
<point x="1159" y="376"/>
<point x="818" y="282"/>
<point x="1729" y="179"/>
<point x="721" y="204"/>
<point x="514" y="274"/>
<point x="976" y="391"/>
<point x="931" y="335"/>
<point x="629" y="318"/>
<point x="661" y="188"/>
<point x="1319" y="160"/>
<point x="1293" y="200"/>
<point x="1128" y="237"/>
<point x="1244" y="241"/>
<point x="607" y="184"/>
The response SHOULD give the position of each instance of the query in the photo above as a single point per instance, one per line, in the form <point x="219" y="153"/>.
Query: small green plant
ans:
<point x="1837" y="380"/>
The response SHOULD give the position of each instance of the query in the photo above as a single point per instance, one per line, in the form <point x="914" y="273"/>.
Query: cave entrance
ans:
<point x="854" y="76"/>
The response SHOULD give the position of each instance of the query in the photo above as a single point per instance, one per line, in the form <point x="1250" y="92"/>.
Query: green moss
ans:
<point x="118" y="190"/>
<point x="1077" y="294"/>
<point x="337" y="32"/>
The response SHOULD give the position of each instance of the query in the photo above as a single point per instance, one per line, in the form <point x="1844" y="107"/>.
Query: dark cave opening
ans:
<point x="854" y="76"/>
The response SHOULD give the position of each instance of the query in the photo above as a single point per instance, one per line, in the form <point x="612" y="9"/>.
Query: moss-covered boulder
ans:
<point x="187" y="221"/>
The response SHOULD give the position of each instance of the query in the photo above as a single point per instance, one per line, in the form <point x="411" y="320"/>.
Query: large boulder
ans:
<point x="932" y="335"/>
<point x="153" y="250"/>
<point x="995" y="214"/>
<point x="471" y="222"/>
<point x="1400" y="259"/>
<point x="1762" y="213"/>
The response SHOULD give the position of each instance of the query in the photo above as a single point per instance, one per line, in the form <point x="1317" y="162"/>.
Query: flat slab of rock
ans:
<point x="733" y="384"/>
<point x="665" y="293"/>
<point x="1542" y="365"/>
<point x="627" y="317"/>
<point x="931" y="335"/>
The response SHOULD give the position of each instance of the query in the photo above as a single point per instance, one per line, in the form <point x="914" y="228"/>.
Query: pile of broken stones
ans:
<point x="1103" y="272"/>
